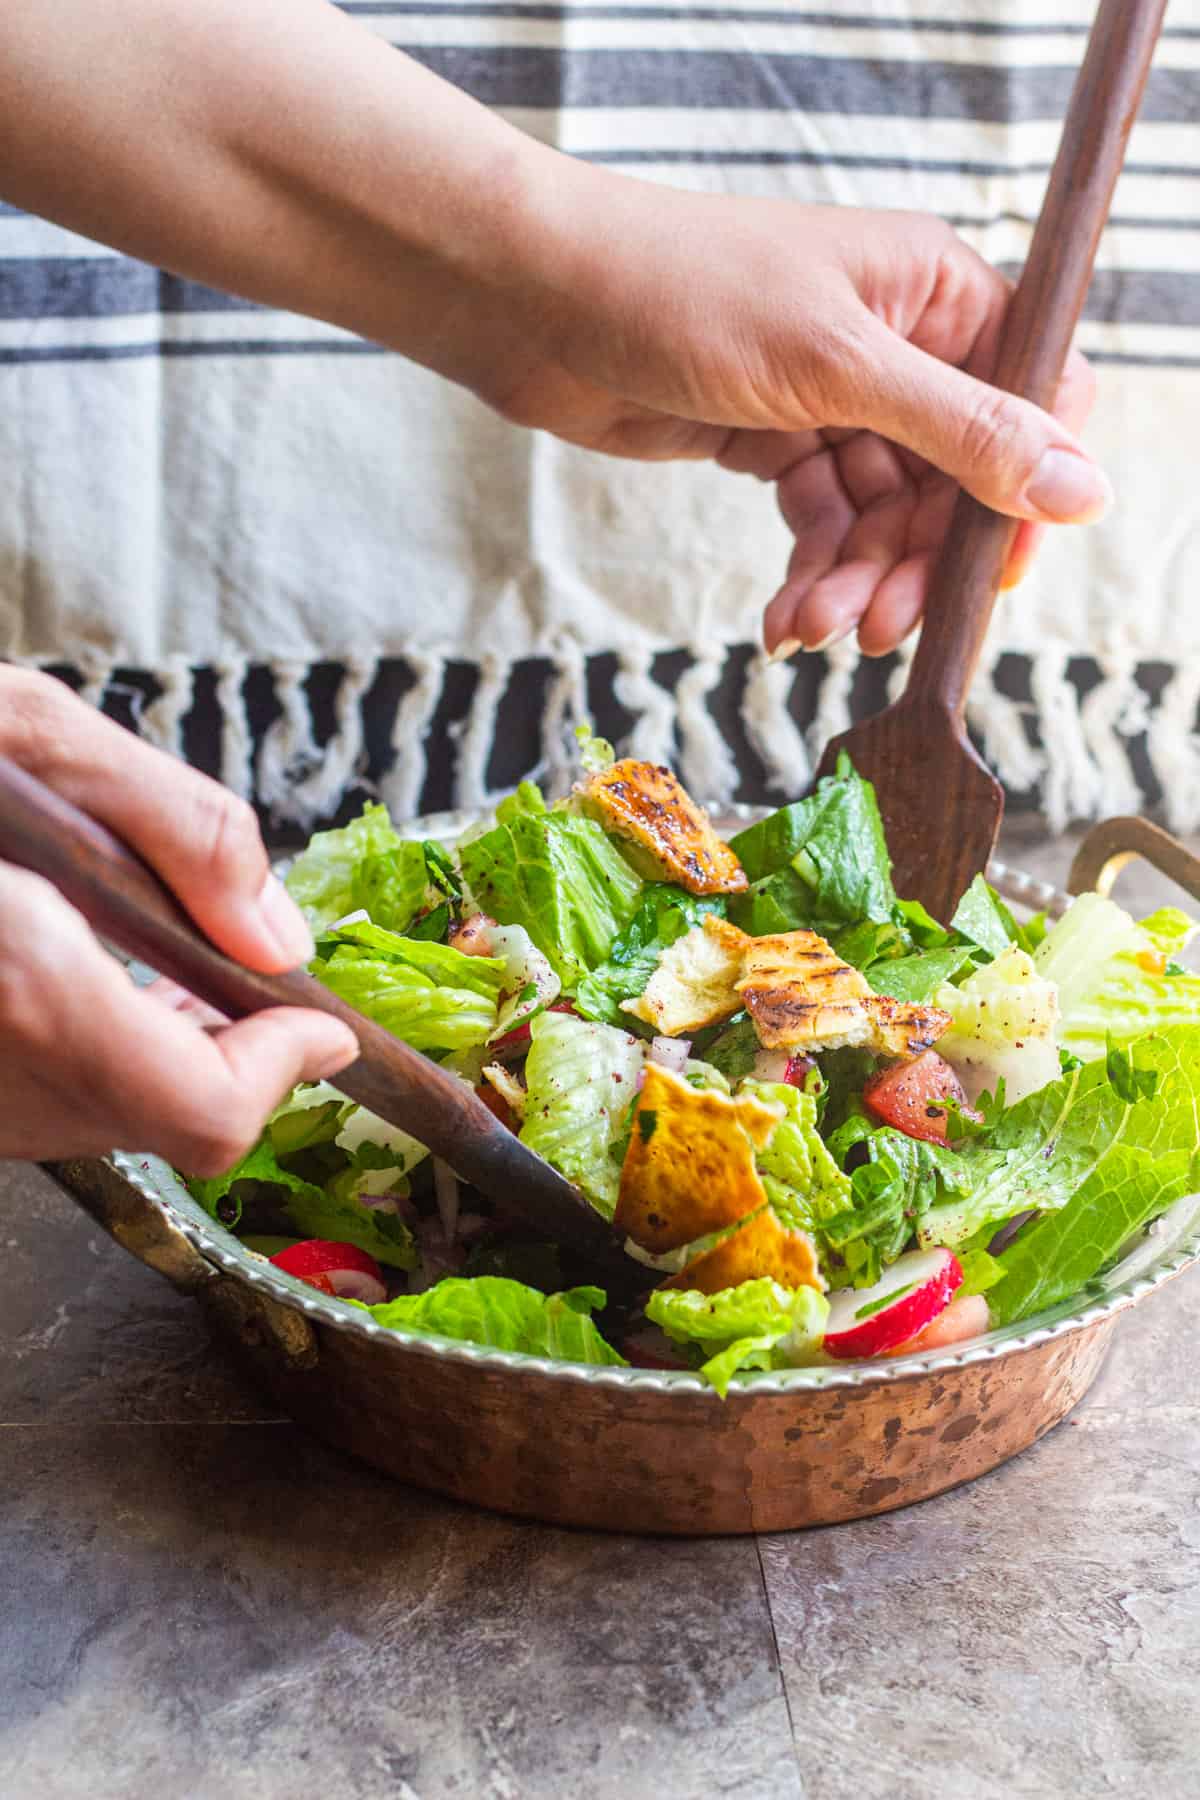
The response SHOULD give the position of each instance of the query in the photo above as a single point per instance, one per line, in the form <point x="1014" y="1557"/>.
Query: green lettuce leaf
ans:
<point x="321" y="880"/>
<point x="756" y="1325"/>
<point x="1104" y="966"/>
<point x="581" y="1080"/>
<point x="434" y="997"/>
<point x="1100" y="1161"/>
<point x="983" y="919"/>
<point x="797" y="1158"/>
<point x="892" y="1195"/>
<point x="507" y="1315"/>
<point x="1004" y="1019"/>
<point x="368" y="866"/>
<point x="315" y="1211"/>
<point x="664" y="915"/>
<point x="559" y="876"/>
<point x="918" y="977"/>
<point x="820" y="863"/>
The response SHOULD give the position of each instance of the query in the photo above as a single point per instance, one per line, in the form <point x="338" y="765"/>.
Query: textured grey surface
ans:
<point x="199" y="1601"/>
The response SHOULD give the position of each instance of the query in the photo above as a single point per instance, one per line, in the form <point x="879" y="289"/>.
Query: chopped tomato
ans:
<point x="907" y="1096"/>
<point x="497" y="1104"/>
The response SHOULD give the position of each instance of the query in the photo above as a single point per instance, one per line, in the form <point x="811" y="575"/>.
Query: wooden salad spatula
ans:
<point x="129" y="907"/>
<point x="941" y="806"/>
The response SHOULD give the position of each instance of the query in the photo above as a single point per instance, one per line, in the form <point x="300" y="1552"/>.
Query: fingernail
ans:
<point x="785" y="648"/>
<point x="1069" y="489"/>
<point x="830" y="639"/>
<point x="284" y="920"/>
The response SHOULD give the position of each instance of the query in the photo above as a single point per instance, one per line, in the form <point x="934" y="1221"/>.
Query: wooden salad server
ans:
<point x="941" y="806"/>
<point x="131" y="909"/>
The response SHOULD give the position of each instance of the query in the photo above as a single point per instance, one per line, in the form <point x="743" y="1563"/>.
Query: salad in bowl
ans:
<point x="826" y="1125"/>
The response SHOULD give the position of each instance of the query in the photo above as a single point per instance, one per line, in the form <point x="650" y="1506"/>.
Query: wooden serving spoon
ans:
<point x="941" y="806"/>
<point x="128" y="906"/>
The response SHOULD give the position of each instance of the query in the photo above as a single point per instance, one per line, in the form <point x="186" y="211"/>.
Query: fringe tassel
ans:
<point x="1173" y="746"/>
<point x="833" y="714"/>
<point x="774" y="736"/>
<point x="237" y="743"/>
<point x="999" y="723"/>
<point x="288" y="754"/>
<point x="477" y="732"/>
<point x="1071" y="789"/>
<point x="341" y="759"/>
<point x="652" y="738"/>
<point x="96" y="676"/>
<point x="402" y="786"/>
<point x="565" y="708"/>
<point x="162" y="720"/>
<point x="1113" y="712"/>
<point x="706" y="762"/>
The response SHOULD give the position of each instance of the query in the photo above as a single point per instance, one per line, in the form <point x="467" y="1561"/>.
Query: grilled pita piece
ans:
<point x="695" y="983"/>
<point x="761" y="1247"/>
<point x="802" y="996"/>
<point x="690" y="1168"/>
<point x="672" y="838"/>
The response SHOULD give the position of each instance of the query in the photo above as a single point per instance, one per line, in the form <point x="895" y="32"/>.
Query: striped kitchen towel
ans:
<point x="351" y="566"/>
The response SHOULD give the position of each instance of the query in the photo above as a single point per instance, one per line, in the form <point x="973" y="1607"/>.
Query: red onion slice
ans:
<point x="671" y="1053"/>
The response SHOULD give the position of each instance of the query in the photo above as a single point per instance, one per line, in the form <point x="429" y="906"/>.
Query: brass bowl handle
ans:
<point x="1108" y="847"/>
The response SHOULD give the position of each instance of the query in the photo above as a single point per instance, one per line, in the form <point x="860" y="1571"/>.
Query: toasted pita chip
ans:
<point x="904" y="1028"/>
<point x="761" y="1247"/>
<point x="672" y="836"/>
<point x="802" y="996"/>
<point x="695" y="983"/>
<point x="690" y="1168"/>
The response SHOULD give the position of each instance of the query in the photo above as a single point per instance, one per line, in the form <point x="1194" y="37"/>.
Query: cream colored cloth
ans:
<point x="190" y="482"/>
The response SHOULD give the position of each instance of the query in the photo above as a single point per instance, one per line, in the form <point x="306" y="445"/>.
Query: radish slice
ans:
<point x="781" y="1065"/>
<point x="913" y="1291"/>
<point x="671" y="1053"/>
<point x="340" y="1269"/>
<point x="966" y="1316"/>
<point x="445" y="1187"/>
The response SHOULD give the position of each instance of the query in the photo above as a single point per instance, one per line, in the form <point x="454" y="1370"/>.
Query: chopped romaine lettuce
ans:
<point x="756" y="1325"/>
<point x="1106" y="1164"/>
<point x="434" y="997"/>
<point x="581" y="1080"/>
<point x="506" y="1315"/>
<point x="983" y="919"/>
<point x="664" y="915"/>
<point x="1004" y="1020"/>
<point x="892" y="1194"/>
<point x="821" y="862"/>
<point x="797" y="1158"/>
<point x="1112" y="974"/>
<point x="918" y="977"/>
<point x="321" y="880"/>
<point x="323" y="1212"/>
<point x="731" y="1048"/>
<point x="368" y="866"/>
<point x="560" y="877"/>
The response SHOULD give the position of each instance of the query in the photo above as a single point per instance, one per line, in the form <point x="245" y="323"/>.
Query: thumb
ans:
<point x="1007" y="452"/>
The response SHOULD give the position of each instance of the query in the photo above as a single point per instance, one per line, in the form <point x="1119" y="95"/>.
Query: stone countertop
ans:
<point x="200" y="1603"/>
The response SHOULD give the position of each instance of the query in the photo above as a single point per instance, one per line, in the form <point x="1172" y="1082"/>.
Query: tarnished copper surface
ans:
<point x="681" y="1461"/>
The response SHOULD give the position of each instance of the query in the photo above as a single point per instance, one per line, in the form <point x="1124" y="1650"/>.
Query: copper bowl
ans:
<point x="628" y="1450"/>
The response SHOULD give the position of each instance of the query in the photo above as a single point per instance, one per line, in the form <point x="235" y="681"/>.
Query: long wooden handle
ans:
<point x="128" y="905"/>
<point x="1038" y="329"/>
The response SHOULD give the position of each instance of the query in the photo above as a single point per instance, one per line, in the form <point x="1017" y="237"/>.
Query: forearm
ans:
<point x="283" y="153"/>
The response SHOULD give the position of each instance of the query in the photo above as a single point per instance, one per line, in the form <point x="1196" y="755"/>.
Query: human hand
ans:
<point x="89" y="1060"/>
<point x="841" y="354"/>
